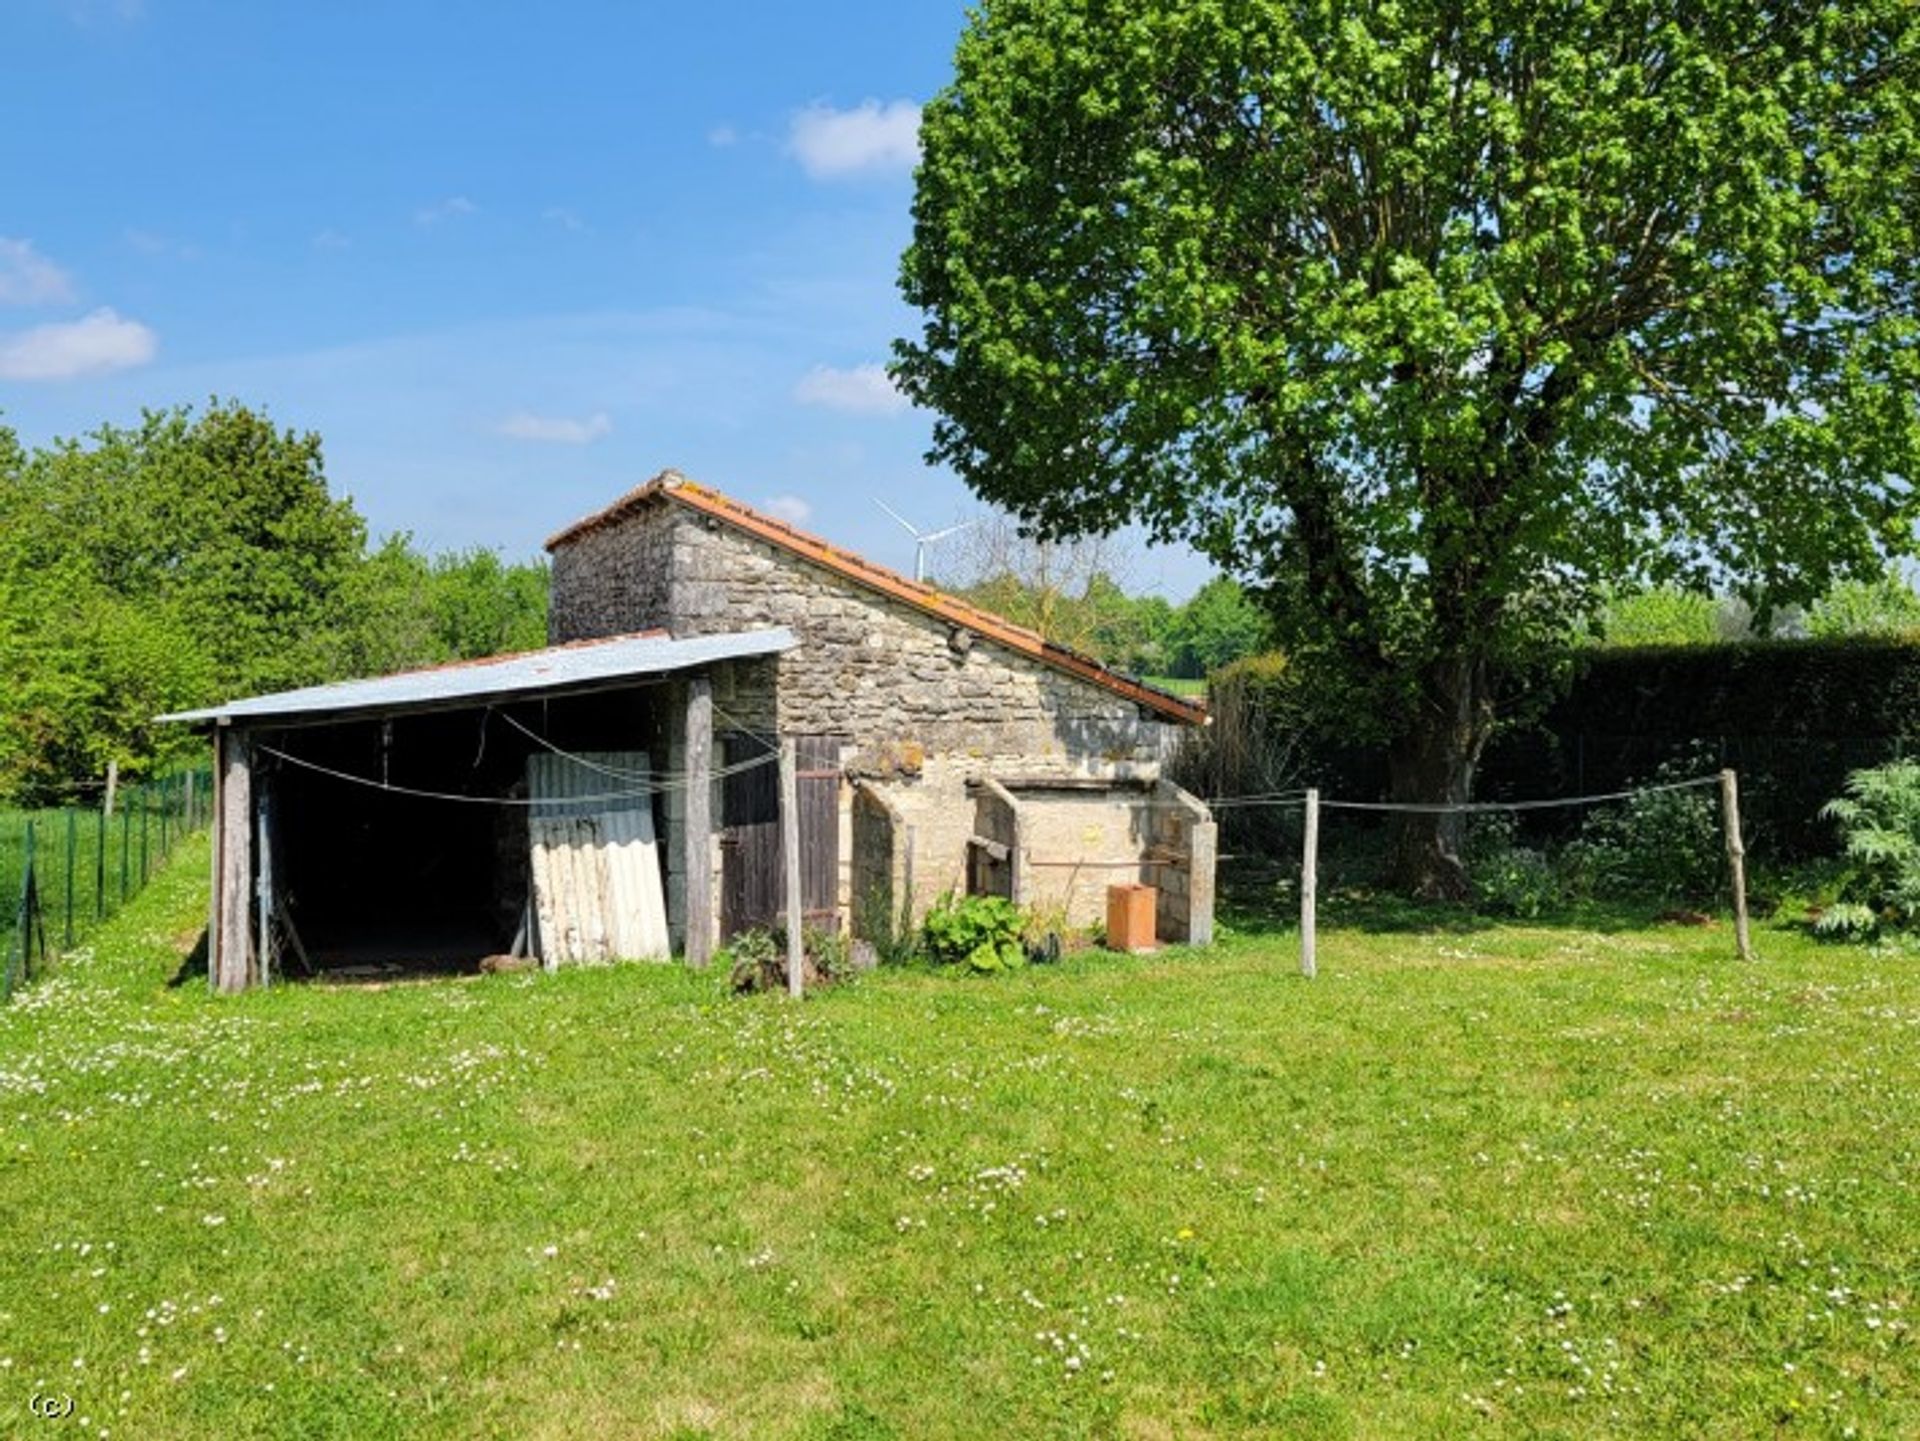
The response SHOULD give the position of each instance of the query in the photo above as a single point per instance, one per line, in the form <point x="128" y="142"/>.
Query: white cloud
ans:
<point x="331" y="239"/>
<point x="861" y="390"/>
<point x="564" y="218"/>
<point x="448" y="209"/>
<point x="91" y="12"/>
<point x="152" y="242"/>
<point x="722" y="136"/>
<point x="557" y="429"/>
<point x="28" y="278"/>
<point x="790" y="508"/>
<point x="91" y="345"/>
<point x="870" y="139"/>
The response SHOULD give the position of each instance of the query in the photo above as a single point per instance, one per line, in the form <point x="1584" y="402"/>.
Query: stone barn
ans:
<point x="942" y="748"/>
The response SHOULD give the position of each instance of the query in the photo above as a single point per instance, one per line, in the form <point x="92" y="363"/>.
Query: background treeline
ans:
<point x="1145" y="635"/>
<point x="1078" y="593"/>
<point x="196" y="557"/>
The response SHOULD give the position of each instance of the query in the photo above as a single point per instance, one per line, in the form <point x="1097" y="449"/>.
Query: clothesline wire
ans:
<point x="418" y="793"/>
<point x="1293" y="799"/>
<point x="649" y="780"/>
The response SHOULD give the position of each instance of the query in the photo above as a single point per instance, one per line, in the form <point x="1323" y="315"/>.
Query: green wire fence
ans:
<point x="62" y="872"/>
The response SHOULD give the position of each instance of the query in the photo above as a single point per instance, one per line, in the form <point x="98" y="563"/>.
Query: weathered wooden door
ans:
<point x="752" y="874"/>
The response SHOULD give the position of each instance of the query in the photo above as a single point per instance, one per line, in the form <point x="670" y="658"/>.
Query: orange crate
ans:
<point x="1130" y="917"/>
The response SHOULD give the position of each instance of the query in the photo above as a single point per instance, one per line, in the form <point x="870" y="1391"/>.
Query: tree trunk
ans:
<point x="1433" y="763"/>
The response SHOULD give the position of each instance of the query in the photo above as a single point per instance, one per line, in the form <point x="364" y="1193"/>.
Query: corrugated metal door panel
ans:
<point x="598" y="892"/>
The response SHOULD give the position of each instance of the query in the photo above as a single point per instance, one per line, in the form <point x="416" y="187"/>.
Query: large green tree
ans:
<point x="1433" y="319"/>
<point x="199" y="556"/>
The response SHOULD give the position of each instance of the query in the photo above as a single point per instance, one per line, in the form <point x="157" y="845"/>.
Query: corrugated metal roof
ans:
<point x="583" y="665"/>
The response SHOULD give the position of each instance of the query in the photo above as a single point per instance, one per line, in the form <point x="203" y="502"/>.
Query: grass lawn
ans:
<point x="1516" y="1182"/>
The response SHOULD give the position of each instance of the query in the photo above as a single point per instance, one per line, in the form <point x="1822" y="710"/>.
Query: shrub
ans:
<point x="980" y="932"/>
<point x="1659" y="845"/>
<point x="1879" y="821"/>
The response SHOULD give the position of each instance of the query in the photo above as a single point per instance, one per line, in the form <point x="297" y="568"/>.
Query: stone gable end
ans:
<point x="898" y="683"/>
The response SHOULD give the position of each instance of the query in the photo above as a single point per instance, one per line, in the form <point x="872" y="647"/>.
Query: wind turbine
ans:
<point x="922" y="539"/>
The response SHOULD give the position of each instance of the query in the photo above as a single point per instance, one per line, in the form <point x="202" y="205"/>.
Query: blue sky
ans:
<point x="508" y="259"/>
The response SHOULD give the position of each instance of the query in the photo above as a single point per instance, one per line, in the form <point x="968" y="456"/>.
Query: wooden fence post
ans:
<point x="229" y="958"/>
<point x="790" y="859"/>
<point x="696" y="855"/>
<point x="1309" y="886"/>
<point x="1736" y="861"/>
<point x="263" y="865"/>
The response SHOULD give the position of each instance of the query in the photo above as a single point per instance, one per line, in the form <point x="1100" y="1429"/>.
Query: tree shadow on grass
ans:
<point x="1262" y="898"/>
<point x="193" y="965"/>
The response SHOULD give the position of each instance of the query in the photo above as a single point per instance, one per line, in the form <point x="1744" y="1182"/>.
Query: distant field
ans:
<point x="1575" y="1182"/>
<point x="1178" y="685"/>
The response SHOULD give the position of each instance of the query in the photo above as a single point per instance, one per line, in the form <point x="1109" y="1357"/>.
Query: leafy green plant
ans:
<point x="828" y="952"/>
<point x="757" y="958"/>
<point x="1879" y="820"/>
<point x="755" y="961"/>
<point x="980" y="932"/>
<point x="1509" y="879"/>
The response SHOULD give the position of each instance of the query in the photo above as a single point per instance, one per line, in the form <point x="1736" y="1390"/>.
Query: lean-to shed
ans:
<point x="435" y="817"/>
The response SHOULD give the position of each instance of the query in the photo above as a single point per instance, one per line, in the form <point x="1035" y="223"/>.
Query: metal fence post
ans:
<point x="29" y="903"/>
<point x="146" y="807"/>
<point x="73" y="847"/>
<point x="100" y="864"/>
<point x="15" y="966"/>
<point x="126" y="850"/>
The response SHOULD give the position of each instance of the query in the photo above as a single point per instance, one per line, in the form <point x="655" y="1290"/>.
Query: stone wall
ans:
<point x="1184" y="831"/>
<point x="610" y="581"/>
<point x="875" y="669"/>
<point x="1077" y="843"/>
<point x="881" y="869"/>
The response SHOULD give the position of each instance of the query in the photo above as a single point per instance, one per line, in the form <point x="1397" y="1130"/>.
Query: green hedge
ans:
<point x="1865" y="688"/>
<point x="1795" y="718"/>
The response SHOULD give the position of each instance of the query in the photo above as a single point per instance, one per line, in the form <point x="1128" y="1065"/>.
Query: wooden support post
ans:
<point x="215" y="802"/>
<point x="1309" y="887"/>
<point x="790" y="859"/>
<point x="697" y="835"/>
<point x="264" y="906"/>
<point x="1736" y="861"/>
<point x="113" y="785"/>
<point x="228" y="957"/>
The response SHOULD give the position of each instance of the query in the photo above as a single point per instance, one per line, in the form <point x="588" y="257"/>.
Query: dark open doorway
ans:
<point x="400" y="845"/>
